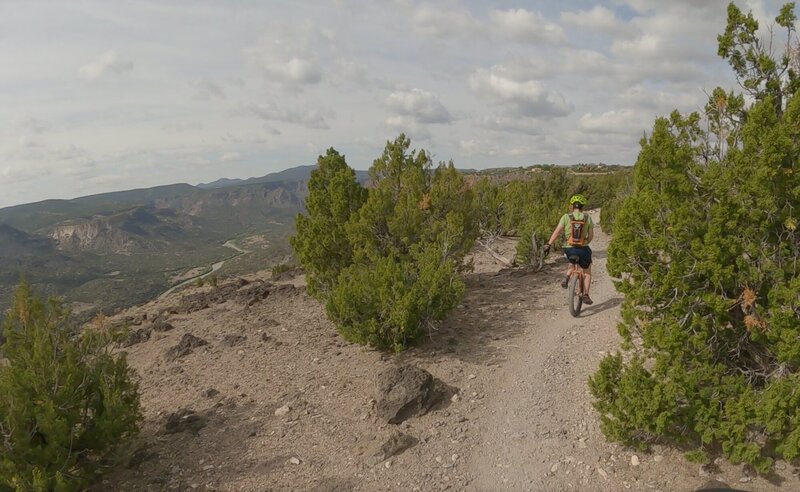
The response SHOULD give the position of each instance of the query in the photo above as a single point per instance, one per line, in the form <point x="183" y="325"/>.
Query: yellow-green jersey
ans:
<point x="577" y="226"/>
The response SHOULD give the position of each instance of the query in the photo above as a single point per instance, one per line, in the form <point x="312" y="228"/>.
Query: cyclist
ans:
<point x="578" y="231"/>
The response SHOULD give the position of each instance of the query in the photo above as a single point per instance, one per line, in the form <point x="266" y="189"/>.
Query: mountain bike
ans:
<point x="575" y="287"/>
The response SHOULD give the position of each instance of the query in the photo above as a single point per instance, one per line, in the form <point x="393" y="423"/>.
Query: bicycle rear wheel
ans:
<point x="574" y="295"/>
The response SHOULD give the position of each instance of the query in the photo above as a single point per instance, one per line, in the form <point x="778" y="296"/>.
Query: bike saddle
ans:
<point x="574" y="258"/>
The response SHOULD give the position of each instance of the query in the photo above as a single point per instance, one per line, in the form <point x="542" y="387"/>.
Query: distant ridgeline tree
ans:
<point x="67" y="402"/>
<point x="708" y="252"/>
<point x="385" y="260"/>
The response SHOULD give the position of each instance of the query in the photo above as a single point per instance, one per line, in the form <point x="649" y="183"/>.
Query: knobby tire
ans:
<point x="574" y="295"/>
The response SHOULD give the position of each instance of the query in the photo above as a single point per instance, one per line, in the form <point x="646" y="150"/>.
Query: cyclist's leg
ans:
<point x="565" y="282"/>
<point x="587" y="279"/>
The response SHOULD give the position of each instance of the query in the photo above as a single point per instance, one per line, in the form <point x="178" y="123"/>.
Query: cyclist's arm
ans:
<point x="554" y="236"/>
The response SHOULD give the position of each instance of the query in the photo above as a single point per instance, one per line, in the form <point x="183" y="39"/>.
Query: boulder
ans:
<point x="406" y="391"/>
<point x="161" y="324"/>
<point x="185" y="346"/>
<point x="136" y="336"/>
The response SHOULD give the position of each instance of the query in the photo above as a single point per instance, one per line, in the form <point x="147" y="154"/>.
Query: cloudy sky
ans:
<point x="99" y="95"/>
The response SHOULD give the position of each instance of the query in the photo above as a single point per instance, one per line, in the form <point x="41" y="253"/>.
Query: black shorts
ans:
<point x="584" y="254"/>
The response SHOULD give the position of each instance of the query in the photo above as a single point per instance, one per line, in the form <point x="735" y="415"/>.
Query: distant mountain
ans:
<point x="299" y="173"/>
<point x="116" y="249"/>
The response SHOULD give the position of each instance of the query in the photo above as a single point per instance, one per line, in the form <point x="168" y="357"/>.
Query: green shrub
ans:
<point x="708" y="251"/>
<point x="386" y="260"/>
<point x="68" y="402"/>
<point x="277" y="270"/>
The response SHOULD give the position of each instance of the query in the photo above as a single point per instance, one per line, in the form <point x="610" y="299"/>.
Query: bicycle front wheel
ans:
<point x="574" y="296"/>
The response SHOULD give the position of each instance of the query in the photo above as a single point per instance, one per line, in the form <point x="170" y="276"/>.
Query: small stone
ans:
<point x="602" y="473"/>
<point x="658" y="458"/>
<point x="745" y="479"/>
<point x="282" y="410"/>
<point x="554" y="468"/>
<point x="471" y="376"/>
<point x="388" y="464"/>
<point x="209" y="392"/>
<point x="294" y="460"/>
<point x="454" y="457"/>
<point x="634" y="460"/>
<point x="240" y="352"/>
<point x="315" y="360"/>
<point x="703" y="472"/>
<point x="208" y="467"/>
<point x="438" y="459"/>
<point x="455" y="398"/>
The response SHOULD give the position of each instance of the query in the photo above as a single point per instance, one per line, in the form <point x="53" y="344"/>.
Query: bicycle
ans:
<point x="575" y="287"/>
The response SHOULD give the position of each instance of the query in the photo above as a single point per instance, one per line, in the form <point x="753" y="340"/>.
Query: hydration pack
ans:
<point x="575" y="235"/>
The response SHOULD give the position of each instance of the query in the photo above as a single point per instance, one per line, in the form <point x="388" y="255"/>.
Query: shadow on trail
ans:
<point x="495" y="309"/>
<point x="599" y="308"/>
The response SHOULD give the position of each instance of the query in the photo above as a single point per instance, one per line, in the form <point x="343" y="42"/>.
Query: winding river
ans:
<point x="216" y="266"/>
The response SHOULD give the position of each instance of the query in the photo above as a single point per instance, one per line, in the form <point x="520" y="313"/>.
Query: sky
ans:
<point x="105" y="95"/>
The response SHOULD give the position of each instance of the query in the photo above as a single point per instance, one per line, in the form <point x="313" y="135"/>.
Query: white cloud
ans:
<point x="231" y="157"/>
<point x="526" y="26"/>
<point x="599" y="18"/>
<point x="291" y="56"/>
<point x="408" y="125"/>
<point x="109" y="63"/>
<point x="309" y="118"/>
<point x="499" y="123"/>
<point x="523" y="98"/>
<point x="439" y="22"/>
<point x="625" y="121"/>
<point x="422" y="106"/>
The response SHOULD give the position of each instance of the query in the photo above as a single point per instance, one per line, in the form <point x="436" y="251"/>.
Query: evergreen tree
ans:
<point x="389" y="265"/>
<point x="67" y="403"/>
<point x="708" y="252"/>
<point x="321" y="243"/>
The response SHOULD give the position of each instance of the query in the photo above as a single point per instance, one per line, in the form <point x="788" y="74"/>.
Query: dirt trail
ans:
<point x="540" y="432"/>
<point x="290" y="405"/>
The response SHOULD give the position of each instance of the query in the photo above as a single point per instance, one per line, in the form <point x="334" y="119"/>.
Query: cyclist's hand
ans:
<point x="547" y="248"/>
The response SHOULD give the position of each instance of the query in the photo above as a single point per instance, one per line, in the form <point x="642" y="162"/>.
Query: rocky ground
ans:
<point x="247" y="386"/>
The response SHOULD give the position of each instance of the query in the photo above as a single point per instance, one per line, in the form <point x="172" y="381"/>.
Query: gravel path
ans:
<point x="539" y="430"/>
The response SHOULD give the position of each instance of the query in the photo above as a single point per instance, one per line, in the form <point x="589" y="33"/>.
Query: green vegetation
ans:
<point x="386" y="260"/>
<point x="530" y="204"/>
<point x="68" y="402"/>
<point x="708" y="251"/>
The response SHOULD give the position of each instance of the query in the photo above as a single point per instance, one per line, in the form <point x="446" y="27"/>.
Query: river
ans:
<point x="214" y="267"/>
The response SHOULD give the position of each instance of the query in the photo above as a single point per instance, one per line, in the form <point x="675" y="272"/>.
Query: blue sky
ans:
<point x="98" y="96"/>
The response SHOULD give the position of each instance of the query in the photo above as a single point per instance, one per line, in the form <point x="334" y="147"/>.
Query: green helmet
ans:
<point x="579" y="199"/>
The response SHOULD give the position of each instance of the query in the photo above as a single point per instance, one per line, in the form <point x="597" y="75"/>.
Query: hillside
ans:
<point x="113" y="250"/>
<point x="282" y="402"/>
<point x="117" y="249"/>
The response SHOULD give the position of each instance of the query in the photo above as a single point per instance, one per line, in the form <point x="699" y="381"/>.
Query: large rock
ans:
<point x="406" y="391"/>
<point x="185" y="346"/>
<point x="136" y="336"/>
<point x="394" y="445"/>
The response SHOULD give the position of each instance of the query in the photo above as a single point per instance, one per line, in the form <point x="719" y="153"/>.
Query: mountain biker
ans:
<point x="578" y="231"/>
